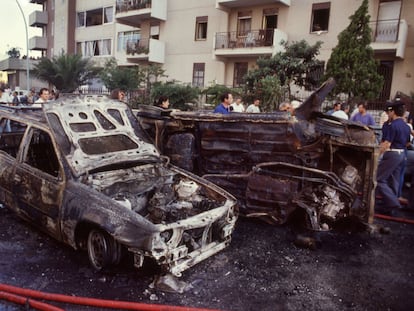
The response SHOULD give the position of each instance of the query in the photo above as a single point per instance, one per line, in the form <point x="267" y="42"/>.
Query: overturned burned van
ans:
<point x="277" y="165"/>
<point x="81" y="170"/>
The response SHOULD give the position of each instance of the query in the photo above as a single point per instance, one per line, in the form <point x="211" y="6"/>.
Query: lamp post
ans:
<point x="27" y="48"/>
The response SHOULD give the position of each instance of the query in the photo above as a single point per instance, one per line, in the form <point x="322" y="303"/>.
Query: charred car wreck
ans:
<point x="310" y="165"/>
<point x="82" y="170"/>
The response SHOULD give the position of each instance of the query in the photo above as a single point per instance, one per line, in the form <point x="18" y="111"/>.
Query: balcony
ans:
<point x="38" y="43"/>
<point x="145" y="49"/>
<point x="135" y="12"/>
<point x="228" y="4"/>
<point x="389" y="36"/>
<point x="38" y="19"/>
<point x="255" y="43"/>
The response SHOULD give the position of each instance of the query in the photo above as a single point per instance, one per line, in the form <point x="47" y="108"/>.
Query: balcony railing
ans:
<point x="129" y="5"/>
<point x="38" y="43"/>
<point x="244" y="3"/>
<point x="140" y="46"/>
<point x="38" y="19"/>
<point x="253" y="38"/>
<point x="390" y="36"/>
<point x="385" y="30"/>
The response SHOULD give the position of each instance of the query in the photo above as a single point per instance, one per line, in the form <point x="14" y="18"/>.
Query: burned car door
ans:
<point x="37" y="182"/>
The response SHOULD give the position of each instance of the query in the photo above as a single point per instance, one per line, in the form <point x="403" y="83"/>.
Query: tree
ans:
<point x="214" y="92"/>
<point x="352" y="62"/>
<point x="271" y="93"/>
<point x="115" y="77"/>
<point x="179" y="94"/>
<point x="295" y="65"/>
<point x="14" y="53"/>
<point x="151" y="74"/>
<point x="65" y="72"/>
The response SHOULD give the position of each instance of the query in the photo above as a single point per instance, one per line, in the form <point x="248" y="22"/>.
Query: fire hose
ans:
<point x="397" y="219"/>
<point x="21" y="296"/>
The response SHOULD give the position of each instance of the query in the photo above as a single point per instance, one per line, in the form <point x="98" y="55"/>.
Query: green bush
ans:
<point x="181" y="95"/>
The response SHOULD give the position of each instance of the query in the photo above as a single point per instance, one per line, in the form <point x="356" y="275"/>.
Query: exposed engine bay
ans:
<point x="156" y="193"/>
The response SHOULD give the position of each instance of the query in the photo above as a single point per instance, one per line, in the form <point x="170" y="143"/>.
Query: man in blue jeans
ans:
<point x="393" y="145"/>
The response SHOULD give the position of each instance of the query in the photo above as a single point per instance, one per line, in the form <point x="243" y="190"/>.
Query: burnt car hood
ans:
<point x="96" y="133"/>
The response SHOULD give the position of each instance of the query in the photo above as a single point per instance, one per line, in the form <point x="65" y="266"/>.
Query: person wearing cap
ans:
<point x="395" y="137"/>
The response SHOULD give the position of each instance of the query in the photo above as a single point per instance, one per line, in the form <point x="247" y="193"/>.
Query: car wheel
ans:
<point x="103" y="250"/>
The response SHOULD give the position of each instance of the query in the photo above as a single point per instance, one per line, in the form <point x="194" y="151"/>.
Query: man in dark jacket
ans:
<point x="393" y="149"/>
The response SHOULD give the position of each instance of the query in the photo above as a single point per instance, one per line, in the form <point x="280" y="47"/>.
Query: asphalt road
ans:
<point x="261" y="270"/>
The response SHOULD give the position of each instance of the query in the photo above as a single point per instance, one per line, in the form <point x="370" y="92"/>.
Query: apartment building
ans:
<point x="218" y="41"/>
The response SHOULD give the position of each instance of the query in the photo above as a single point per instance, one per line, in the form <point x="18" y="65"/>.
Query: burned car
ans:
<point x="308" y="166"/>
<point x="81" y="170"/>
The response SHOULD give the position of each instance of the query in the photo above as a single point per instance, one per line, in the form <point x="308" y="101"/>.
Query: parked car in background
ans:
<point x="82" y="170"/>
<point x="307" y="166"/>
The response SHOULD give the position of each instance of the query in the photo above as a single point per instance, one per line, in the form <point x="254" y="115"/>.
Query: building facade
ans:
<point x="218" y="41"/>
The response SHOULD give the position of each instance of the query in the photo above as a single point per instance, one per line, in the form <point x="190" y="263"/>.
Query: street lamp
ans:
<point x="27" y="48"/>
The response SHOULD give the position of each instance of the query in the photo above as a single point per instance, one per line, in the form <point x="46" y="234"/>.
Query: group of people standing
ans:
<point x="32" y="99"/>
<point x="393" y="147"/>
<point x="359" y="114"/>
<point x="396" y="149"/>
<point x="228" y="105"/>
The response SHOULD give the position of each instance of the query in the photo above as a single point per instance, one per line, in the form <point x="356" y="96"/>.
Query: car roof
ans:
<point x="24" y="113"/>
<point x="100" y="130"/>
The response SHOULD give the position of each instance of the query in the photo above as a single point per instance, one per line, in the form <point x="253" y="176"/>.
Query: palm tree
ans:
<point x="66" y="71"/>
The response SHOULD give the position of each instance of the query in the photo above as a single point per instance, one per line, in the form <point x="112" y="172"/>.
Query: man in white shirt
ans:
<point x="254" y="108"/>
<point x="4" y="98"/>
<point x="340" y="114"/>
<point x="237" y="105"/>
<point x="43" y="97"/>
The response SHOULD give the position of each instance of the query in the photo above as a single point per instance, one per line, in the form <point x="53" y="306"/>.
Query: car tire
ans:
<point x="103" y="250"/>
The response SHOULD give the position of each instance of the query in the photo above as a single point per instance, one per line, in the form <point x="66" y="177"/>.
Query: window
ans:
<point x="127" y="38"/>
<point x="244" y="23"/>
<point x="11" y="134"/>
<point x="108" y="15"/>
<point x="155" y="32"/>
<point x="320" y="16"/>
<point x="95" y="17"/>
<point x="94" y="48"/>
<point x="201" y="28"/>
<point x="41" y="153"/>
<point x="240" y="71"/>
<point x="198" y="74"/>
<point x="80" y="19"/>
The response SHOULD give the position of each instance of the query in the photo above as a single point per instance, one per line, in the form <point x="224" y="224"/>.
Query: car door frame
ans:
<point x="39" y="195"/>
